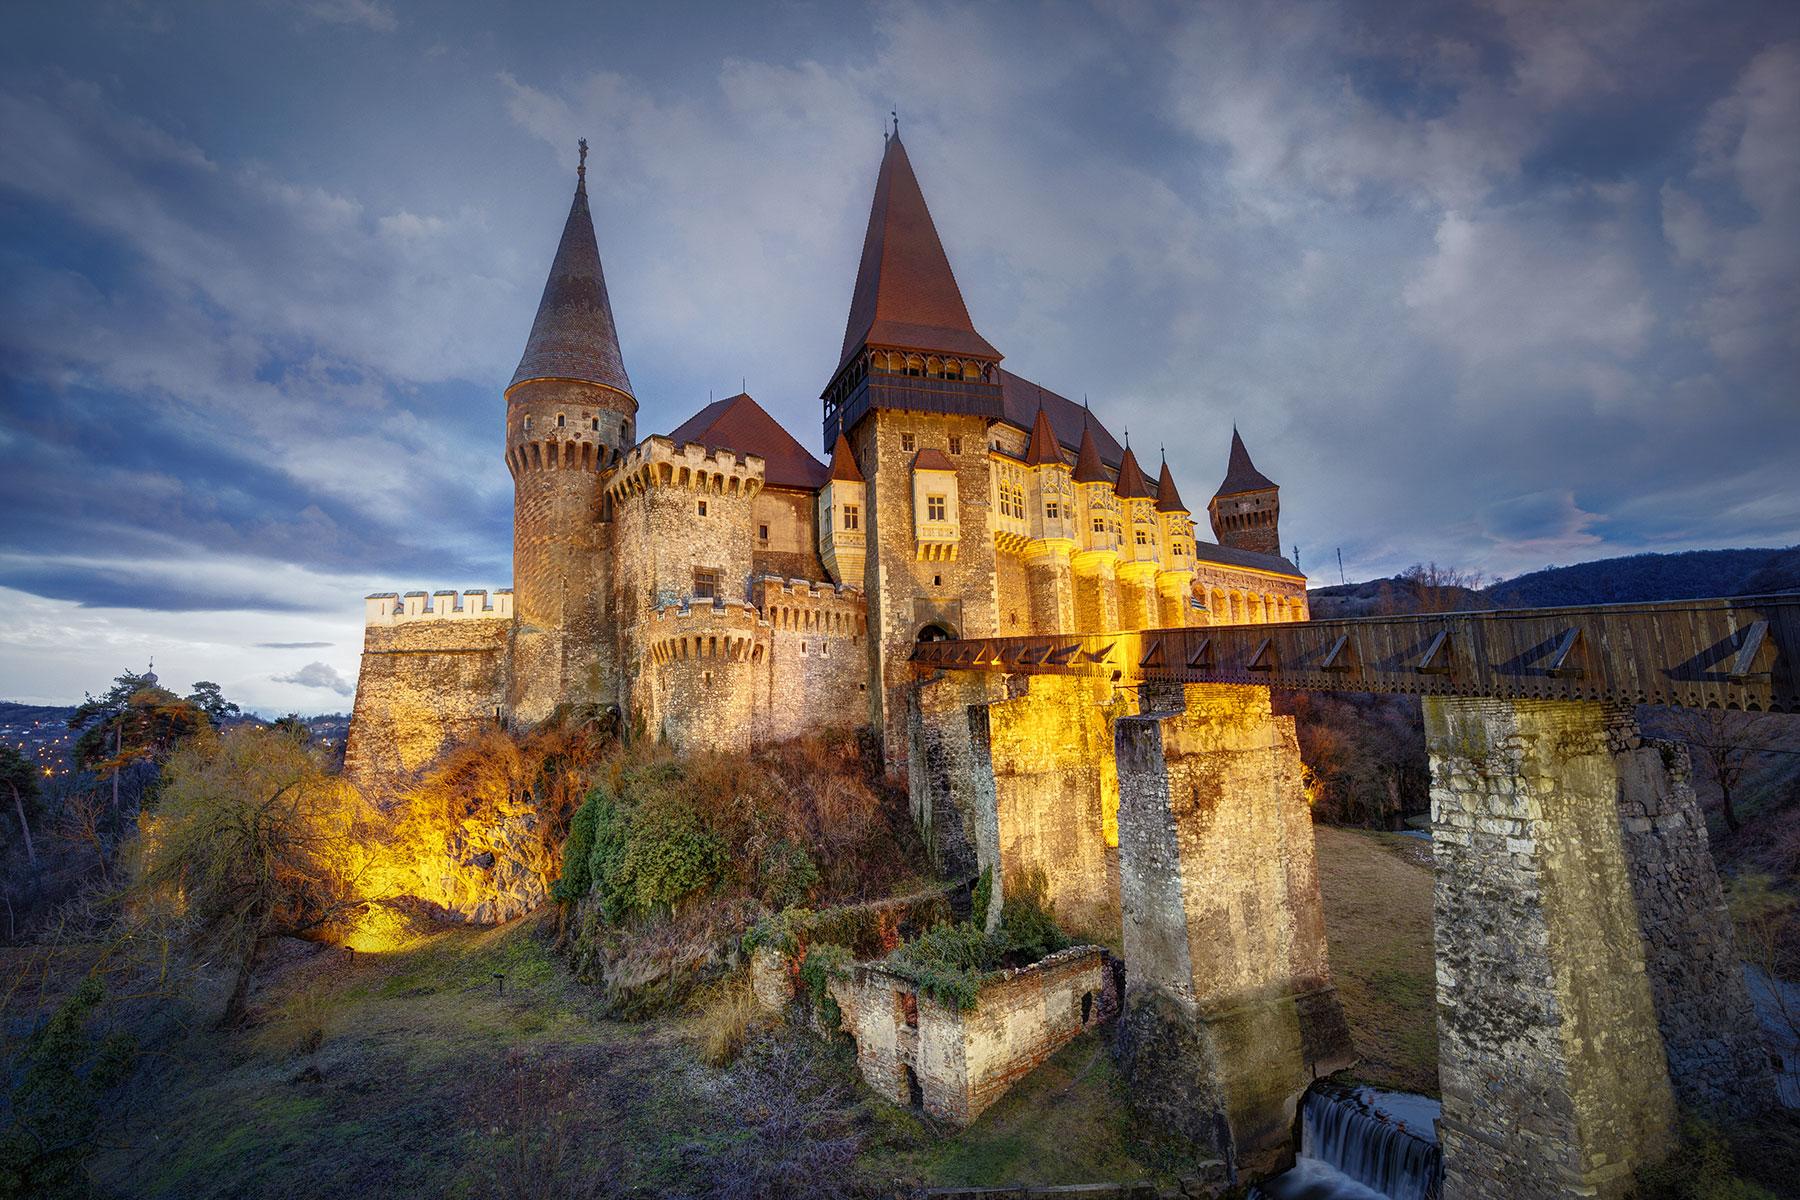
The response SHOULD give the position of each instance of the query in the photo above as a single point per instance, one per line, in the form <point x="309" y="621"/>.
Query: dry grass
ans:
<point x="729" y="1015"/>
<point x="1378" y="919"/>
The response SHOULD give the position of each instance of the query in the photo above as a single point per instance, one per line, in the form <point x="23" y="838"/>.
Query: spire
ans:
<point x="906" y="294"/>
<point x="1241" y="474"/>
<point x="573" y="336"/>
<point x="1088" y="468"/>
<point x="1132" y="485"/>
<point x="843" y="463"/>
<point x="1168" y="500"/>
<point x="1043" y="448"/>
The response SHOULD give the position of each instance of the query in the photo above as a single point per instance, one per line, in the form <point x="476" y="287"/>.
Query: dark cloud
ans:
<point x="1482" y="282"/>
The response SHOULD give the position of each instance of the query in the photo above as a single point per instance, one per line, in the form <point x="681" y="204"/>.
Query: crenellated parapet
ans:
<point x="476" y="604"/>
<point x="728" y="630"/>
<point x="657" y="462"/>
<point x="811" y="607"/>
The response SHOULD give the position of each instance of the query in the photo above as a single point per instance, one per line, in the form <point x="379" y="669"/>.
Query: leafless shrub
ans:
<point x="796" y="1109"/>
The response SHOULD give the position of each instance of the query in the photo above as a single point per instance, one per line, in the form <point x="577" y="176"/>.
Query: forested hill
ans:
<point x="1632" y="579"/>
<point x="1640" y="577"/>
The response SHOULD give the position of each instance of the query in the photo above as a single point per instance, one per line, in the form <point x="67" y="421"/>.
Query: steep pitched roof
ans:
<point x="1167" y="498"/>
<point x="1088" y="468"/>
<point x="906" y="294"/>
<point x="1020" y="400"/>
<point x="741" y="424"/>
<point x="1132" y="485"/>
<point x="573" y="336"/>
<point x="843" y="463"/>
<point x="1043" y="448"/>
<point x="1241" y="474"/>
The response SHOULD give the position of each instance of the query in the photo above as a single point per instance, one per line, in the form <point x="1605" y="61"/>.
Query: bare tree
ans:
<point x="1725" y="744"/>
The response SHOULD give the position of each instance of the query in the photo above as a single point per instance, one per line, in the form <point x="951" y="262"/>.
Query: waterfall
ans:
<point x="1359" y="1143"/>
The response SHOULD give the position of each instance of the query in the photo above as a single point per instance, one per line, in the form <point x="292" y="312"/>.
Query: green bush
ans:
<point x="949" y="963"/>
<point x="781" y="932"/>
<point x="1702" y="1167"/>
<point x="823" y="964"/>
<point x="983" y="897"/>
<point x="1026" y="924"/>
<point x="576" y="878"/>
<point x="786" y="874"/>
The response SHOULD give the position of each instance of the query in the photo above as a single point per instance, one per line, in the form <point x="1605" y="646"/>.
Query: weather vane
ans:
<point x="581" y="167"/>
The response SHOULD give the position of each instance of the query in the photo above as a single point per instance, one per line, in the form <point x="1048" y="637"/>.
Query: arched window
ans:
<point x="915" y="366"/>
<point x="934" y="367"/>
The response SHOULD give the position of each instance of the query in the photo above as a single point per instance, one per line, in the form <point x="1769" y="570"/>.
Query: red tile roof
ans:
<point x="1088" y="468"/>
<point x="1167" y="498"/>
<point x="843" y="463"/>
<point x="906" y="294"/>
<point x="932" y="460"/>
<point x="1241" y="474"/>
<point x="741" y="424"/>
<point x="1132" y="485"/>
<point x="1043" y="448"/>
<point x="573" y="336"/>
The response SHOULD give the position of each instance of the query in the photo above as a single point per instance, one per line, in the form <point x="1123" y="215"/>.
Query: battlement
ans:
<point x="659" y="462"/>
<point x="811" y="606"/>
<point x="730" y="629"/>
<point x="476" y="604"/>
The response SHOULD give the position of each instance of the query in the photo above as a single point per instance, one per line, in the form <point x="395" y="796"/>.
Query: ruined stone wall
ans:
<point x="1230" y="1008"/>
<point x="1718" y="1060"/>
<point x="818" y="670"/>
<point x="1049" y="755"/>
<point x="1550" y="1059"/>
<point x="954" y="814"/>
<point x="429" y="679"/>
<point x="964" y="1061"/>
<point x="907" y="592"/>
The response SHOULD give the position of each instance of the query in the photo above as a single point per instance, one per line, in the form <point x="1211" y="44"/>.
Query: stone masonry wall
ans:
<point x="819" y="661"/>
<point x="959" y="832"/>
<point x="1718" y="1060"/>
<point x="423" y="687"/>
<point x="1230" y="1011"/>
<point x="1551" y="1063"/>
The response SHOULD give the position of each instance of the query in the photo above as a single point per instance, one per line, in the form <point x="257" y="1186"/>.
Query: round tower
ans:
<point x="1246" y="511"/>
<point x="569" y="412"/>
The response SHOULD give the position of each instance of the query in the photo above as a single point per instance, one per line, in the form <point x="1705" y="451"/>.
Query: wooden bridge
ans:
<point x="1733" y="654"/>
<point x="1588" y="982"/>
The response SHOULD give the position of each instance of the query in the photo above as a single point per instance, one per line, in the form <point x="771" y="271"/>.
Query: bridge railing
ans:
<point x="1736" y="653"/>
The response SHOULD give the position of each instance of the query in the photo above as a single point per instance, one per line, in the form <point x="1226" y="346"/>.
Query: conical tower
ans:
<point x="1246" y="511"/>
<point x="569" y="412"/>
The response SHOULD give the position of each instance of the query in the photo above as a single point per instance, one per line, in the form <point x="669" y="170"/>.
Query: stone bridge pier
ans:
<point x="1588" y="978"/>
<point x="1178" y="812"/>
<point x="1230" y="1012"/>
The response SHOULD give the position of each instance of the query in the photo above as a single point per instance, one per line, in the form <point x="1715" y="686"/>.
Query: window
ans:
<point x="1143" y="539"/>
<point x="596" y="424"/>
<point x="956" y="445"/>
<point x="1052" y="510"/>
<point x="561" y="420"/>
<point x="528" y="420"/>
<point x="852" y="516"/>
<point x="703" y="508"/>
<point x="762" y="531"/>
<point x="907" y="444"/>
<point x="1100" y="525"/>
<point x="937" y="581"/>
<point x="935" y="509"/>
<point x="706" y="585"/>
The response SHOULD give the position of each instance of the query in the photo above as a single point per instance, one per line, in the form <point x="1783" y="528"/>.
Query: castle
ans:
<point x="723" y="588"/>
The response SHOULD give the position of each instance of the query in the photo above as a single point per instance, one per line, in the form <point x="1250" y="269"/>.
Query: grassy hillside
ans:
<point x="473" y="1063"/>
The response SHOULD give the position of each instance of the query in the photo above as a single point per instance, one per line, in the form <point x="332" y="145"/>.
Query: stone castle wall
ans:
<point x="434" y="672"/>
<point x="818" y="670"/>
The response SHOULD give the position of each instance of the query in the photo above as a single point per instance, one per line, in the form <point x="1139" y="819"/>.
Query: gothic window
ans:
<point x="706" y="584"/>
<point x="971" y="370"/>
<point x="907" y="443"/>
<point x="915" y="366"/>
<point x="935" y="509"/>
<point x="852" y="515"/>
<point x="1012" y="500"/>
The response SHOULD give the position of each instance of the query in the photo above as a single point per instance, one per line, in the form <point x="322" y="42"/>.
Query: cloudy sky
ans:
<point x="1493" y="284"/>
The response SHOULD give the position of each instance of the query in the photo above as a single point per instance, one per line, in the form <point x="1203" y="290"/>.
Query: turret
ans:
<point x="1175" y="582"/>
<point x="569" y="412"/>
<point x="1246" y="510"/>
<point x="843" y="517"/>
<point x="1140" y="547"/>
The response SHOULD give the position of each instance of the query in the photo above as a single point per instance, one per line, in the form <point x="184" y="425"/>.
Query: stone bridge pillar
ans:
<point x="1584" y="955"/>
<point x="1230" y="1011"/>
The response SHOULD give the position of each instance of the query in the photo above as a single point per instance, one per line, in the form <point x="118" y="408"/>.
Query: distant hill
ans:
<point x="1631" y="579"/>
